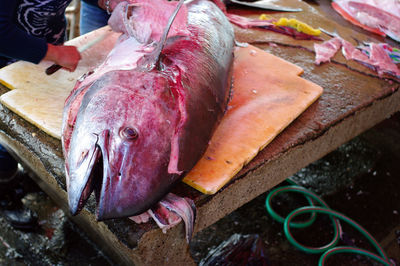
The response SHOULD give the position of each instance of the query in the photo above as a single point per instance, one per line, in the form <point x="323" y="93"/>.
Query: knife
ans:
<point x="53" y="68"/>
<point x="264" y="4"/>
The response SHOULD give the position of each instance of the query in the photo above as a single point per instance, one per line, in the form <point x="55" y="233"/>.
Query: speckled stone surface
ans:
<point x="352" y="102"/>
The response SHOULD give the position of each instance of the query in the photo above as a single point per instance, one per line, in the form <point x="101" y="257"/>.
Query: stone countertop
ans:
<point x="354" y="100"/>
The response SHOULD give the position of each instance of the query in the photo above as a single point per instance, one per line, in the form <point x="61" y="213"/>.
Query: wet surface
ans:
<point x="359" y="179"/>
<point x="57" y="241"/>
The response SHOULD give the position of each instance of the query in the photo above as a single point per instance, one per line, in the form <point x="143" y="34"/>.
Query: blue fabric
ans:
<point x="28" y="25"/>
<point x="7" y="162"/>
<point x="91" y="2"/>
<point x="92" y="17"/>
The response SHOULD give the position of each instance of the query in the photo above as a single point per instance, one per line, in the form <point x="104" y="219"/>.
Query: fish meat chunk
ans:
<point x="378" y="16"/>
<point x="326" y="50"/>
<point x="377" y="59"/>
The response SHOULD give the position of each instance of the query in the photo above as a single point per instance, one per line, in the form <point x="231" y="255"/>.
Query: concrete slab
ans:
<point x="352" y="103"/>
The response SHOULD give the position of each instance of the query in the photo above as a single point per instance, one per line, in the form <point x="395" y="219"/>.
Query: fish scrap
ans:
<point x="378" y="16"/>
<point x="377" y="57"/>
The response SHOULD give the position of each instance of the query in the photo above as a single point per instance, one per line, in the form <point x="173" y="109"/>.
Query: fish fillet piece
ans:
<point x="380" y="17"/>
<point x="377" y="59"/>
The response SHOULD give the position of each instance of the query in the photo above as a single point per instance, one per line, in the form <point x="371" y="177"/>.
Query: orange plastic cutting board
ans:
<point x="268" y="95"/>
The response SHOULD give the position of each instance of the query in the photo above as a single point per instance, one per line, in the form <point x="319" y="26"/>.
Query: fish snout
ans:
<point x="83" y="171"/>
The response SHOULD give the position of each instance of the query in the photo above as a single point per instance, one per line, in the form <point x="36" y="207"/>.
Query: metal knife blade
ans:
<point x="265" y="4"/>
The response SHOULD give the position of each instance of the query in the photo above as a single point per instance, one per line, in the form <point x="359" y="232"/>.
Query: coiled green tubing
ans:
<point x="318" y="206"/>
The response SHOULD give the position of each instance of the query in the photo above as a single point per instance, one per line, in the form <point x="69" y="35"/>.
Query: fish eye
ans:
<point x="129" y="133"/>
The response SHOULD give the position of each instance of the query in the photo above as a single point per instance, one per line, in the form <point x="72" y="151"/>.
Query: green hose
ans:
<point x="331" y="248"/>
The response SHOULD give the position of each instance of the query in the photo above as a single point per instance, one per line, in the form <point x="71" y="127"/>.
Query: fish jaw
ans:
<point x="80" y="181"/>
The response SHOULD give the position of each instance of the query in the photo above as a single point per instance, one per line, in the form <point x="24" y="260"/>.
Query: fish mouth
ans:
<point x="94" y="174"/>
<point x="85" y="178"/>
<point x="88" y="177"/>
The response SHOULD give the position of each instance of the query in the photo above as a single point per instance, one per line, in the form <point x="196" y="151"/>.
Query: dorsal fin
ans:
<point x="153" y="59"/>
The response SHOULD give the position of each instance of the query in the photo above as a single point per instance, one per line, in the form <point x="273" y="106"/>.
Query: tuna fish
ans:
<point x="133" y="126"/>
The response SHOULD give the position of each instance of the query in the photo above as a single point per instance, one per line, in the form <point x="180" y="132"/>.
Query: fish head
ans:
<point x="120" y="147"/>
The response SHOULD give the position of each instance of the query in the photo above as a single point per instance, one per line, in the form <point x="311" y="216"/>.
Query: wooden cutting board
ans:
<point x="268" y="95"/>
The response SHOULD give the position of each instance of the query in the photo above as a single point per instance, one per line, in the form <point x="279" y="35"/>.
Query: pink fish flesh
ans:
<point x="325" y="51"/>
<point x="129" y="134"/>
<point x="377" y="59"/>
<point x="381" y="15"/>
